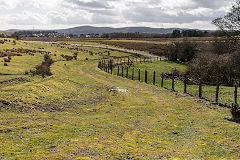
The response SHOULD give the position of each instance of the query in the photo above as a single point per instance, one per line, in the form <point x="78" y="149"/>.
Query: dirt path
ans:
<point x="145" y="54"/>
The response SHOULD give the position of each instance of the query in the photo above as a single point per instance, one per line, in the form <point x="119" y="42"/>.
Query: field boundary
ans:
<point x="123" y="67"/>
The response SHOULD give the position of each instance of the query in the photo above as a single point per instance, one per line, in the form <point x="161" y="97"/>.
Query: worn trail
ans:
<point x="105" y="47"/>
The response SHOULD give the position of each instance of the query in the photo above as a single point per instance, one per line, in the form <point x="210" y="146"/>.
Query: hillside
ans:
<point x="101" y="30"/>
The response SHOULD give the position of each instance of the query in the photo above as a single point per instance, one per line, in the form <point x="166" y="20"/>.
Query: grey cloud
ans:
<point x="103" y="19"/>
<point x="91" y="4"/>
<point x="158" y="15"/>
<point x="64" y="18"/>
<point x="212" y="3"/>
<point x="123" y="12"/>
<point x="28" y="20"/>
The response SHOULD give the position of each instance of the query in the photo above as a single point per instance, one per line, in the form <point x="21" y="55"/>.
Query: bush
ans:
<point x="44" y="68"/>
<point x="7" y="60"/>
<point x="75" y="54"/>
<point x="68" y="58"/>
<point x="5" y="64"/>
<point x="223" y="46"/>
<point x="212" y="68"/>
<point x="173" y="51"/>
<point x="182" y="51"/>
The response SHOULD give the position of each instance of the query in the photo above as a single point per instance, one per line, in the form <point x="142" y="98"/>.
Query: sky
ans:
<point x="60" y="14"/>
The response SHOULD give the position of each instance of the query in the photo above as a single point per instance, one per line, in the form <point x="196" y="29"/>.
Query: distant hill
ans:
<point x="8" y="33"/>
<point x="12" y="30"/>
<point x="101" y="30"/>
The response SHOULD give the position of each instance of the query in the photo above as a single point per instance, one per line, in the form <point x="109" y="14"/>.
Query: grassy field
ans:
<point x="81" y="112"/>
<point x="226" y="94"/>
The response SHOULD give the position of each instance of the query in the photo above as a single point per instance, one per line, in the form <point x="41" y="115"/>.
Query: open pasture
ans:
<point x="81" y="112"/>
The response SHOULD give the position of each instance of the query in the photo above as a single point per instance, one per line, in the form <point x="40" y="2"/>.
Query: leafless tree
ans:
<point x="230" y="23"/>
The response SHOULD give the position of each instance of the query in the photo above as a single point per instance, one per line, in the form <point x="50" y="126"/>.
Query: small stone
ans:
<point x="175" y="132"/>
<point x="52" y="147"/>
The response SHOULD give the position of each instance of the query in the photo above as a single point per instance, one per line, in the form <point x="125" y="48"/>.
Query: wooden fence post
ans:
<point x="102" y="65"/>
<point x="185" y="83"/>
<point x="200" y="89"/>
<point x="105" y="66"/>
<point x="235" y="94"/>
<point x="217" y="93"/>
<point x="139" y="75"/>
<point x="122" y="71"/>
<point x="154" y="77"/>
<point x="111" y="67"/>
<point x="162" y="80"/>
<point x="99" y="64"/>
<point x="145" y="76"/>
<point x="127" y="73"/>
<point x="133" y="74"/>
<point x="118" y="71"/>
<point x="173" y="82"/>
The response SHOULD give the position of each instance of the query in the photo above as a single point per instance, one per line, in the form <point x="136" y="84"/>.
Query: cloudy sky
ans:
<point x="56" y="14"/>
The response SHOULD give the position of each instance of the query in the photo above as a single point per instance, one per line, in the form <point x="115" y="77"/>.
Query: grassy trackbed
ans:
<point x="82" y="112"/>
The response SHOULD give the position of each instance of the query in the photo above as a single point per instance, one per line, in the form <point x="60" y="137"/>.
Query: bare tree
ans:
<point x="230" y="23"/>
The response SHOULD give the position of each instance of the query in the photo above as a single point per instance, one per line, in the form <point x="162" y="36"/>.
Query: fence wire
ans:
<point x="223" y="95"/>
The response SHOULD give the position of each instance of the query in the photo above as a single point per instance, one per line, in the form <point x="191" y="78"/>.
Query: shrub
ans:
<point x="181" y="51"/>
<point x="75" y="54"/>
<point x="44" y="68"/>
<point x="5" y="64"/>
<point x="212" y="68"/>
<point x="223" y="46"/>
<point x="7" y="60"/>
<point x="68" y="58"/>
<point x="173" y="51"/>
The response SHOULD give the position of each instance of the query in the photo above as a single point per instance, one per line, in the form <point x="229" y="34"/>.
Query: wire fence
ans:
<point x="221" y="95"/>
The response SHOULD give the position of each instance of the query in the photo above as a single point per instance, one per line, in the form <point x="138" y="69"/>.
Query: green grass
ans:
<point x="79" y="113"/>
<point x="226" y="94"/>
